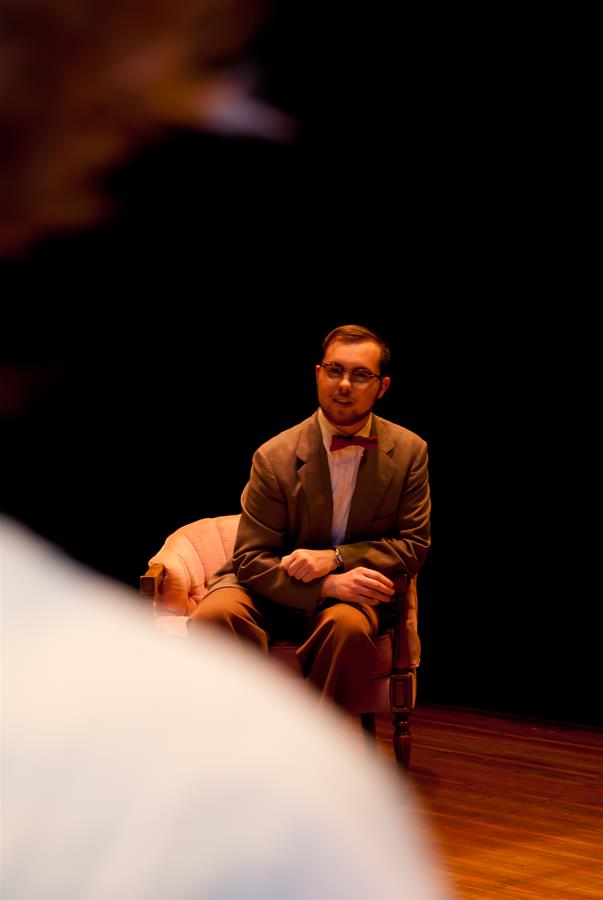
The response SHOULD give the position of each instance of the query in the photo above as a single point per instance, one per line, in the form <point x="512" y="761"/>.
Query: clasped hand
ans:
<point x="307" y="565"/>
<point x="359" y="583"/>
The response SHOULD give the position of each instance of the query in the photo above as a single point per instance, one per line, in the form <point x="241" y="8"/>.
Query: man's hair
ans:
<point x="354" y="334"/>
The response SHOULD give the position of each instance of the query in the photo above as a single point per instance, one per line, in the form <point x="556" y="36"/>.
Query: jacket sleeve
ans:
<point x="261" y="542"/>
<point x="404" y="551"/>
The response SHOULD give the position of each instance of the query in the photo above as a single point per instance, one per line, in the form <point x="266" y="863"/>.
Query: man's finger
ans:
<point x="379" y="576"/>
<point x="382" y="589"/>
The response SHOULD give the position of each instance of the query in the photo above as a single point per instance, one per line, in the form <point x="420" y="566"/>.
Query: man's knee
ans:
<point x="350" y="622"/>
<point x="234" y="611"/>
<point x="220" y="607"/>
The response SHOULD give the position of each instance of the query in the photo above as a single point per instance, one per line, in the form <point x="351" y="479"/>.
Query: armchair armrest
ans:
<point x="150" y="586"/>
<point x="170" y="583"/>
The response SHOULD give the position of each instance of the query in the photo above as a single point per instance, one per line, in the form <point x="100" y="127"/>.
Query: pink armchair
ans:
<point x="177" y="582"/>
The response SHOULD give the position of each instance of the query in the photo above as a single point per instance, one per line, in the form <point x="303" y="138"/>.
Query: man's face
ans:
<point x="345" y="404"/>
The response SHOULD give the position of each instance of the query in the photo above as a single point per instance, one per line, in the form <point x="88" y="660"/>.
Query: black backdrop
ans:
<point x="414" y="200"/>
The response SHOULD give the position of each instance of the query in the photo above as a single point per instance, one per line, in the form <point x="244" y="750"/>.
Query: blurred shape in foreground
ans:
<point x="85" y="83"/>
<point x="135" y="766"/>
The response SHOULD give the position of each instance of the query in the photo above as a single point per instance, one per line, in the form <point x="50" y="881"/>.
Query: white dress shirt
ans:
<point x="343" y="466"/>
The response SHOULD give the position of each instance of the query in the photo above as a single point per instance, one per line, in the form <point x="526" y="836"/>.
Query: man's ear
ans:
<point x="384" y="386"/>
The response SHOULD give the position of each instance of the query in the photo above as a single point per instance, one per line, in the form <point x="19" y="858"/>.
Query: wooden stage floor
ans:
<point x="515" y="805"/>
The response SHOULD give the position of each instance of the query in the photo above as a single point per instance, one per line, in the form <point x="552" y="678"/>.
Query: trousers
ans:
<point x="337" y="651"/>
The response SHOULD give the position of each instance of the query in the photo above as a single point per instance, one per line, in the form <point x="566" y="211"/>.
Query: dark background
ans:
<point x="415" y="200"/>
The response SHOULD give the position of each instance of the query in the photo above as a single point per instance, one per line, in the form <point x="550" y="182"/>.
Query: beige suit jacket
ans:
<point x="288" y="503"/>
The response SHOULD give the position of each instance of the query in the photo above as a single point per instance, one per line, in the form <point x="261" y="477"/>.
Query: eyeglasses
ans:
<point x="359" y="377"/>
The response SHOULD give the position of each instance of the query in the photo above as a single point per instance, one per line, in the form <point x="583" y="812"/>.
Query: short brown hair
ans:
<point x="353" y="334"/>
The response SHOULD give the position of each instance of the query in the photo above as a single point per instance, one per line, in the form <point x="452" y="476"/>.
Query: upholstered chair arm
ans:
<point x="182" y="585"/>
<point x="186" y="562"/>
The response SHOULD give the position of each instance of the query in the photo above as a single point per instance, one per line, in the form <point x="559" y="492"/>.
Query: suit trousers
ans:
<point x="337" y="652"/>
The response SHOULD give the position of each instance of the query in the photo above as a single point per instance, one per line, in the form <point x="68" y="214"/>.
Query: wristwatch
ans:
<point x="338" y="560"/>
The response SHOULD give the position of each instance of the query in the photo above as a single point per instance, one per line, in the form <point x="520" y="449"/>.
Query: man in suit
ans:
<point x="335" y="515"/>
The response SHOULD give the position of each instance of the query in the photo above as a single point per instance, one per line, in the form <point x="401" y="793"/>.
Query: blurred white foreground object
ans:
<point x="139" y="767"/>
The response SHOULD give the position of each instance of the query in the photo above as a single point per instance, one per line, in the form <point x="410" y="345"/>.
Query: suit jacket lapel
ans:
<point x="374" y="478"/>
<point x="316" y="482"/>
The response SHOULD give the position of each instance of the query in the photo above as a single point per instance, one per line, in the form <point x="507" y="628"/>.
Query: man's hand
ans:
<point x="308" y="565"/>
<point x="363" y="584"/>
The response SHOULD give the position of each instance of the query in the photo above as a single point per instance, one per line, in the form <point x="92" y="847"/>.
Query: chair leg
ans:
<point x="401" y="697"/>
<point x="402" y="739"/>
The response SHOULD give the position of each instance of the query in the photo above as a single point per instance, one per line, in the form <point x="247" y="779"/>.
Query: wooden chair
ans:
<point x="177" y="581"/>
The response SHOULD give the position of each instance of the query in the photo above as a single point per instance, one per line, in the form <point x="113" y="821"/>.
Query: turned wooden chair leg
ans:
<point x="402" y="739"/>
<point x="401" y="696"/>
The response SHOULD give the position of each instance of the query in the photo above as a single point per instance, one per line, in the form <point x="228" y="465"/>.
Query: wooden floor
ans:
<point x="516" y="806"/>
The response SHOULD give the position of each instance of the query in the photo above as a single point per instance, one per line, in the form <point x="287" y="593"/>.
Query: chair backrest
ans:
<point x="191" y="555"/>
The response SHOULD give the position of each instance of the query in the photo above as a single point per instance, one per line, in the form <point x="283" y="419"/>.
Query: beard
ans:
<point x="341" y="416"/>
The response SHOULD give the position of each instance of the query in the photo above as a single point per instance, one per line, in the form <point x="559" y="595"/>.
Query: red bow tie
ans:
<point x="340" y="441"/>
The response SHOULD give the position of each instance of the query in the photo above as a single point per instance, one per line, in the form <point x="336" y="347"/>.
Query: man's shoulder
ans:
<point x="398" y="433"/>
<point x="288" y="440"/>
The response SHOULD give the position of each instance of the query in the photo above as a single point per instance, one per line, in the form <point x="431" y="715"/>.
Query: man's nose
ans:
<point x="345" y="382"/>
